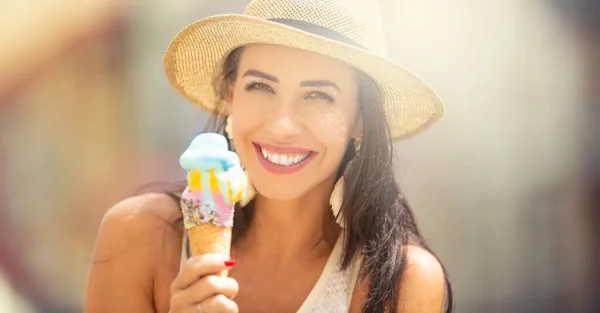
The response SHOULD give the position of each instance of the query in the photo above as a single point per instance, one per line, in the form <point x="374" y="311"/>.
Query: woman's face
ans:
<point x="293" y="113"/>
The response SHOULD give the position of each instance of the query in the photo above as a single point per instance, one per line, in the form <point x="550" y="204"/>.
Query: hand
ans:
<point x="199" y="284"/>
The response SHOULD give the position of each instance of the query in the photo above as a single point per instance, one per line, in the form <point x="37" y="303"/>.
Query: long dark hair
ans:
<point x="379" y="223"/>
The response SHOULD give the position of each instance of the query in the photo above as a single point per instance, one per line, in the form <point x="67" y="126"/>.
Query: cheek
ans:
<point x="333" y="129"/>
<point x="244" y="123"/>
<point x="245" y="116"/>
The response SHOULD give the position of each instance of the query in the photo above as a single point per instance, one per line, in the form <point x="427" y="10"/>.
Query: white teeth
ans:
<point x="283" y="159"/>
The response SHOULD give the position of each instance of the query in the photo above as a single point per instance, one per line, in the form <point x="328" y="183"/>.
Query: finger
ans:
<point x="196" y="267"/>
<point x="205" y="288"/>
<point x="219" y="303"/>
<point x="212" y="285"/>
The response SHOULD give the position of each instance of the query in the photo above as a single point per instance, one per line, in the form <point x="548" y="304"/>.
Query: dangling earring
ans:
<point x="336" y="199"/>
<point x="357" y="144"/>
<point x="337" y="195"/>
<point x="228" y="130"/>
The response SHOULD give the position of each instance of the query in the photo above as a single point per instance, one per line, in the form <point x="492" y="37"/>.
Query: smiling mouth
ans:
<point x="283" y="158"/>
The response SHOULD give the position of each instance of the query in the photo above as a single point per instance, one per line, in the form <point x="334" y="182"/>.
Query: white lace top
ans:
<point x="332" y="292"/>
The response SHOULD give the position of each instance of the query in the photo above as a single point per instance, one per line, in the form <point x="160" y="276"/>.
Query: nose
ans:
<point x="284" y="123"/>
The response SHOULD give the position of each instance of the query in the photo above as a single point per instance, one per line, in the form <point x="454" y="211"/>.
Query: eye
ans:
<point x="319" y="95"/>
<point x="258" y="86"/>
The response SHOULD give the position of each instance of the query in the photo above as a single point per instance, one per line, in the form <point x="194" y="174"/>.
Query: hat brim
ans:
<point x="194" y="58"/>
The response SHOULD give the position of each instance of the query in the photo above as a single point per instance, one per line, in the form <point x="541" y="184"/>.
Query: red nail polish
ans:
<point x="230" y="263"/>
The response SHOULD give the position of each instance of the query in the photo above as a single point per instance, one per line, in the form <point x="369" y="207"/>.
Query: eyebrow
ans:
<point x="305" y="83"/>
<point x="260" y="74"/>
<point x="319" y="83"/>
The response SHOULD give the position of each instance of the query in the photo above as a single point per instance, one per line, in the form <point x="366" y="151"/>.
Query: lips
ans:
<point x="283" y="160"/>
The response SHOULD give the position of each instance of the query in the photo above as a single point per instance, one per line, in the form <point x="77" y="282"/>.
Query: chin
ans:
<point x="280" y="192"/>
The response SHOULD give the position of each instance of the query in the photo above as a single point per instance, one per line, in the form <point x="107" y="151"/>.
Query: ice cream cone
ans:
<point x="209" y="238"/>
<point x="215" y="182"/>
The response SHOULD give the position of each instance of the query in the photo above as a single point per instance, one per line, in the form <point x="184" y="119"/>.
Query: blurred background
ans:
<point x="506" y="187"/>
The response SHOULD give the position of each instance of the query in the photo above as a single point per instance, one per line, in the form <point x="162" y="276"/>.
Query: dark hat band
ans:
<point x="317" y="30"/>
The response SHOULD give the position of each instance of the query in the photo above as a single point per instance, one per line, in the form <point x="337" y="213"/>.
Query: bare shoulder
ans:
<point x="423" y="282"/>
<point x="136" y="222"/>
<point x="422" y="286"/>
<point x="144" y="206"/>
<point x="138" y="237"/>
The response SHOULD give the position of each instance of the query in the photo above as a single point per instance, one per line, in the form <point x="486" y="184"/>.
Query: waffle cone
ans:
<point x="209" y="238"/>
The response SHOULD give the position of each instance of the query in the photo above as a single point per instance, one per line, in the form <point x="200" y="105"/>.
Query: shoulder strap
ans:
<point x="353" y="273"/>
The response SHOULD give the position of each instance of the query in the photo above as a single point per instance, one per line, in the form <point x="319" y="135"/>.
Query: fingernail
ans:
<point x="230" y="263"/>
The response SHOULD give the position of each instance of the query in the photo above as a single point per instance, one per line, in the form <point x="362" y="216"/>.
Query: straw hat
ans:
<point x="347" y="30"/>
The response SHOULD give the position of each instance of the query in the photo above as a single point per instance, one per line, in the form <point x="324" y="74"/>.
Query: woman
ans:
<point x="312" y="109"/>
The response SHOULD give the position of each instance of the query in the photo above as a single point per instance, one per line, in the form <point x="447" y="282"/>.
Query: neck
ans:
<point x="289" y="230"/>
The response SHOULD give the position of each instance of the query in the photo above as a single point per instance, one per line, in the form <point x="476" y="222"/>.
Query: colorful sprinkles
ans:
<point x="197" y="211"/>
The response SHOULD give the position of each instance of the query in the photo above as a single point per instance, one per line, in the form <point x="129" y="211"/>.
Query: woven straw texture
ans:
<point x="195" y="56"/>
